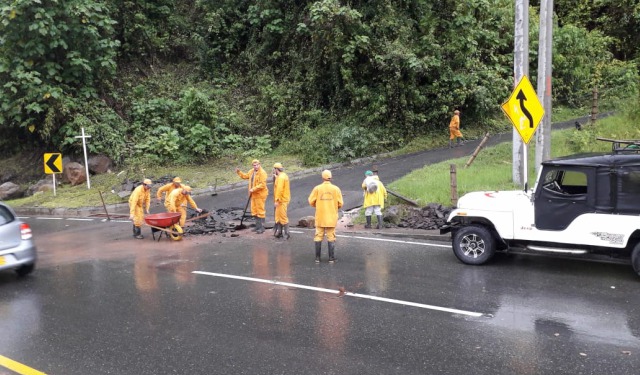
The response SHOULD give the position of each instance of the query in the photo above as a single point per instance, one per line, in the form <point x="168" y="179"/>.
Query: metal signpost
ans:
<point x="524" y="110"/>
<point x="53" y="165"/>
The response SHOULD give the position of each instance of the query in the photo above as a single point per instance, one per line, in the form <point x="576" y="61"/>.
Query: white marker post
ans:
<point x="84" y="148"/>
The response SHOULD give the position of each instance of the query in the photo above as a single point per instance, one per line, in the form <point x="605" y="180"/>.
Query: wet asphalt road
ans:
<point x="104" y="303"/>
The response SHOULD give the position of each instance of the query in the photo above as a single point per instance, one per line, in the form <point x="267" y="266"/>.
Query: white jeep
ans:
<point x="588" y="203"/>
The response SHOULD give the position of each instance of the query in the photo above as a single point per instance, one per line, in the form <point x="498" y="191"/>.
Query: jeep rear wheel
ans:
<point x="635" y="258"/>
<point x="473" y="244"/>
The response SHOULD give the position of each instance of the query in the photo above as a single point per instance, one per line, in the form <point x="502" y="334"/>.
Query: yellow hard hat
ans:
<point x="186" y="189"/>
<point x="254" y="161"/>
<point x="278" y="165"/>
<point x="326" y="174"/>
<point x="147" y="181"/>
<point x="177" y="179"/>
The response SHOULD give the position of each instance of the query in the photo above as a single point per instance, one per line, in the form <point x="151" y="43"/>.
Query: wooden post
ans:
<point x="594" y="106"/>
<point x="477" y="151"/>
<point x="454" y="184"/>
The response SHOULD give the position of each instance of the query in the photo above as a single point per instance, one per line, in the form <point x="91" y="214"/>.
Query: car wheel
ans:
<point x="25" y="269"/>
<point x="635" y="258"/>
<point x="473" y="244"/>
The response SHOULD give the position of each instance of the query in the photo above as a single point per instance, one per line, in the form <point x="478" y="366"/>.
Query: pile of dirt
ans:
<point x="223" y="220"/>
<point x="431" y="216"/>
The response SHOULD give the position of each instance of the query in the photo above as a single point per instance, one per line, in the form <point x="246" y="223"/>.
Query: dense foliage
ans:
<point x="326" y="80"/>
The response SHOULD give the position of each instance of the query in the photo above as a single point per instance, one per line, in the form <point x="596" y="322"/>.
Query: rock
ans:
<point x="9" y="190"/>
<point x="8" y="176"/>
<point x="74" y="173"/>
<point x="40" y="187"/>
<point x="307" y="222"/>
<point x="99" y="164"/>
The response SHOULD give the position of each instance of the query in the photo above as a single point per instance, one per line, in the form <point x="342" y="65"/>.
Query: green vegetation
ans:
<point x="492" y="169"/>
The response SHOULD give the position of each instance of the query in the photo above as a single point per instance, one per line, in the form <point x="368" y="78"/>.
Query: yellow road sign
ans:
<point x="52" y="163"/>
<point x="524" y="109"/>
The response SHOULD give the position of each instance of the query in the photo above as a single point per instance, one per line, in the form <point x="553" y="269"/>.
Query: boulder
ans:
<point x="99" y="164"/>
<point x="9" y="190"/>
<point x="307" y="222"/>
<point x="74" y="173"/>
<point x="40" y="186"/>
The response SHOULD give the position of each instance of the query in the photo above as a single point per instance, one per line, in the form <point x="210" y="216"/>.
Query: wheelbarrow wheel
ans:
<point x="175" y="228"/>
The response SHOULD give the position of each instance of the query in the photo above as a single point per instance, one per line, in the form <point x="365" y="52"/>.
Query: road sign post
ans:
<point x="84" y="148"/>
<point x="524" y="110"/>
<point x="53" y="165"/>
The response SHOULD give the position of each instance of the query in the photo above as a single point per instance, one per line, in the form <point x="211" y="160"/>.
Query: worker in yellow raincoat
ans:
<point x="327" y="200"/>
<point x="167" y="189"/>
<point x="374" y="196"/>
<point x="454" y="129"/>
<point x="178" y="200"/>
<point x="281" y="198"/>
<point x="258" y="192"/>
<point x="139" y="202"/>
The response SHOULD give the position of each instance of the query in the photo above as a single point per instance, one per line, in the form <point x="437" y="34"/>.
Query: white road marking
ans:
<point x="50" y="218"/>
<point x="395" y="241"/>
<point x="79" y="219"/>
<point x="347" y="293"/>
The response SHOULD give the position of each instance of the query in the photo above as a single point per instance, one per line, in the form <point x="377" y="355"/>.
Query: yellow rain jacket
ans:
<point x="178" y="203"/>
<point x="376" y="198"/>
<point x="281" y="196"/>
<point x="454" y="127"/>
<point x="327" y="200"/>
<point x="168" y="188"/>
<point x="257" y="183"/>
<point x="139" y="203"/>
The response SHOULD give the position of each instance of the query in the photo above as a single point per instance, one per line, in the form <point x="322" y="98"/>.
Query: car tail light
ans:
<point x="25" y="231"/>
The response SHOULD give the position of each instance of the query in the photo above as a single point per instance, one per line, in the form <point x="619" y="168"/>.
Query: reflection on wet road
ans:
<point x="103" y="303"/>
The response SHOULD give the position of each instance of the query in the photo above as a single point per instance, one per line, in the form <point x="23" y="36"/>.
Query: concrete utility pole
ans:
<point x="520" y="68"/>
<point x="545" y="59"/>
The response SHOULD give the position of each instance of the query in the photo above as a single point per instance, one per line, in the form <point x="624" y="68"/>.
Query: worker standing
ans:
<point x="139" y="203"/>
<point x="167" y="189"/>
<point x="178" y="200"/>
<point x="281" y="198"/>
<point x="258" y="192"/>
<point x="454" y="129"/>
<point x="374" y="196"/>
<point x="327" y="200"/>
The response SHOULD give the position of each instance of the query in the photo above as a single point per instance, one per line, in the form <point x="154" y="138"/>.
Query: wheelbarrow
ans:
<point x="165" y="222"/>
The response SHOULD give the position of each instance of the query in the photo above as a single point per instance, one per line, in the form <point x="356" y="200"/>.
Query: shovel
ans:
<point x="244" y="214"/>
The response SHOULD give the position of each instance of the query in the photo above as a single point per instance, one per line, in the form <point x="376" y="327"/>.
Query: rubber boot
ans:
<point x="379" y="221"/>
<point x="260" y="227"/>
<point x="458" y="142"/>
<point x="134" y="230"/>
<point x="255" y="227"/>
<point x="277" y="230"/>
<point x="450" y="144"/>
<point x="332" y="255"/>
<point x="287" y="235"/>
<point x="139" y="233"/>
<point x="318" y="251"/>
<point x="368" y="225"/>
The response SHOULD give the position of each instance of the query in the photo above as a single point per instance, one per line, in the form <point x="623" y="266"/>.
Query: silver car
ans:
<point x="17" y="249"/>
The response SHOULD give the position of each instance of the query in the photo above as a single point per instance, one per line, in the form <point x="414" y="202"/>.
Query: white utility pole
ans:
<point x="545" y="59"/>
<point x="520" y="68"/>
<point x="84" y="148"/>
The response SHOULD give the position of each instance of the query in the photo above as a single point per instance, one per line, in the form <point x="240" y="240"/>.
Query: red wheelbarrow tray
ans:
<point x="163" y="220"/>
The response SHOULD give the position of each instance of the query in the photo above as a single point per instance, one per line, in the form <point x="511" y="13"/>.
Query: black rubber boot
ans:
<point x="139" y="233"/>
<point x="379" y="221"/>
<point x="260" y="226"/>
<point x="368" y="225"/>
<point x="286" y="231"/>
<point x="255" y="227"/>
<point x="332" y="254"/>
<point x="134" y="230"/>
<point x="458" y="142"/>
<point x="450" y="144"/>
<point x="277" y="230"/>
<point x="318" y="251"/>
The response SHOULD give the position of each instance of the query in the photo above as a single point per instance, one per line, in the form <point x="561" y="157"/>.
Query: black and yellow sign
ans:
<point x="524" y="109"/>
<point x="52" y="163"/>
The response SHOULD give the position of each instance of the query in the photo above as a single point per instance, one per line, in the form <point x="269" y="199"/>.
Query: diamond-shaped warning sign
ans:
<point x="524" y="109"/>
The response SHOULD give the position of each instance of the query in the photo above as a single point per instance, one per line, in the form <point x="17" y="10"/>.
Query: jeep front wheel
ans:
<point x="473" y="244"/>
<point x="635" y="258"/>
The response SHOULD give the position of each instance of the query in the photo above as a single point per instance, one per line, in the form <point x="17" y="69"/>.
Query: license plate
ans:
<point x="2" y="260"/>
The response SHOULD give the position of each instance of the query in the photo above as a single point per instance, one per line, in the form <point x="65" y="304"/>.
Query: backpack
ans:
<point x="372" y="187"/>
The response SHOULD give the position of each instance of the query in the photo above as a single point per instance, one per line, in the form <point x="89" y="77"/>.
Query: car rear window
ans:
<point x="5" y="216"/>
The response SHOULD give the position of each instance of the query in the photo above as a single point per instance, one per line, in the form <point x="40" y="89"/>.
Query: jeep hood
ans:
<point x="504" y="201"/>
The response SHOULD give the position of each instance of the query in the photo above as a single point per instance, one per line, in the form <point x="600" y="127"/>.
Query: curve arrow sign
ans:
<point x="522" y="98"/>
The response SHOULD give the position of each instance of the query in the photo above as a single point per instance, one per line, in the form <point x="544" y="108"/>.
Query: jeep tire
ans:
<point x="635" y="258"/>
<point x="474" y="244"/>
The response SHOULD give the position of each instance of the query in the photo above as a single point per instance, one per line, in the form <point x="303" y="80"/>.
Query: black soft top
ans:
<point x="596" y="160"/>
